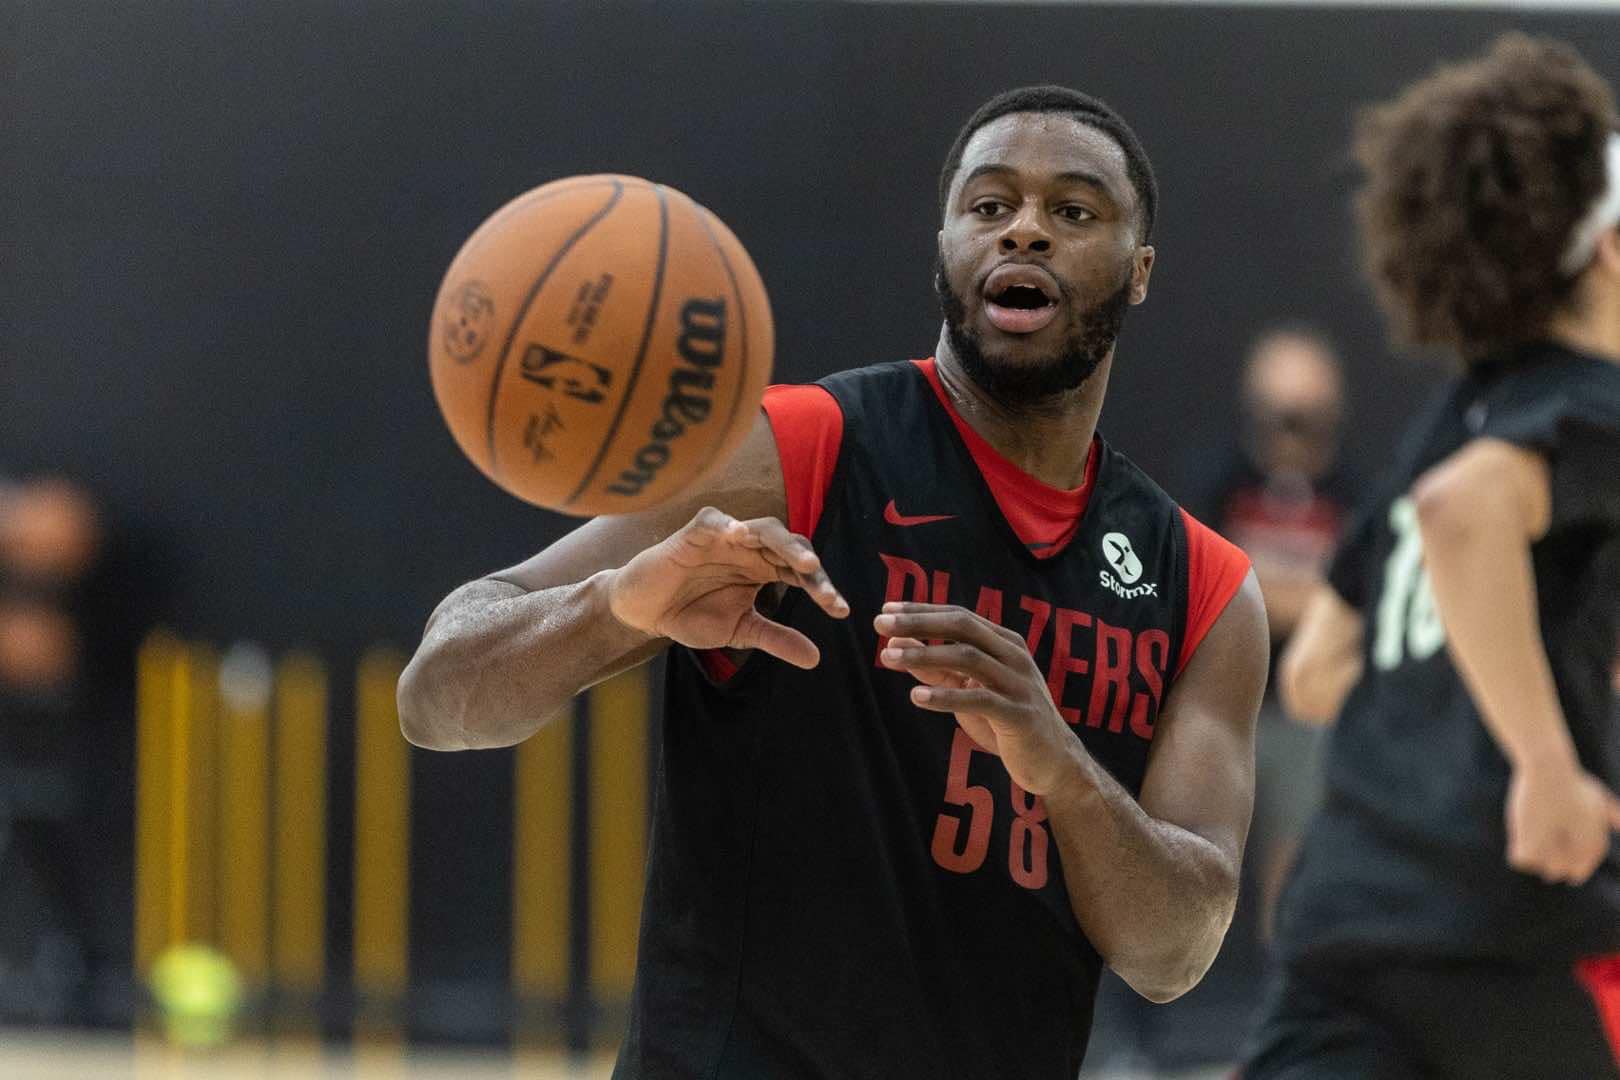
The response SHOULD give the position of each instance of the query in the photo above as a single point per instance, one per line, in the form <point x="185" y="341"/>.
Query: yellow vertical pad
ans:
<point x="244" y="816"/>
<point x="618" y="821"/>
<point x="154" y="691"/>
<point x="202" y="796"/>
<point x="298" y="918"/>
<point x="382" y="786"/>
<point x="540" y="880"/>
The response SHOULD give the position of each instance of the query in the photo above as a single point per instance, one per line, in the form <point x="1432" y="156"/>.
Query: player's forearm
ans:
<point x="496" y="662"/>
<point x="1154" y="899"/>
<point x="1478" y="557"/>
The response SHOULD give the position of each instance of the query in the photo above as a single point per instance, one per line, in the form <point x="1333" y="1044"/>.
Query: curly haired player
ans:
<point x="1456" y="908"/>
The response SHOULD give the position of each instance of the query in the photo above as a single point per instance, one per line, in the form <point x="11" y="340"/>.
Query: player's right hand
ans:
<point x="698" y="587"/>
<point x="1560" y="822"/>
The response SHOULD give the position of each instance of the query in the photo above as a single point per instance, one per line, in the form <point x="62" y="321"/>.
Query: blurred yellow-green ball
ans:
<point x="198" y="992"/>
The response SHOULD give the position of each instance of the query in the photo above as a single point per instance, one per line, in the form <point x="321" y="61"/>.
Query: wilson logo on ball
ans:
<point x="702" y="346"/>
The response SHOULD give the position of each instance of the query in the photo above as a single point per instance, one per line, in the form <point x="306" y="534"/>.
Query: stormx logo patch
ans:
<point x="1117" y="551"/>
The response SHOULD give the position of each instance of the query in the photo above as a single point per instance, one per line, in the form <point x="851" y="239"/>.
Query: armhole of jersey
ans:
<point x="1216" y="569"/>
<point x="808" y="426"/>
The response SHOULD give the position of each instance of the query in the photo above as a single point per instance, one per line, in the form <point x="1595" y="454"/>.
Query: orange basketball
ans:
<point x="599" y="343"/>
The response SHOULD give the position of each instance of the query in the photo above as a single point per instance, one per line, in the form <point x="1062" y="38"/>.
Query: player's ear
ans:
<point x="1141" y="270"/>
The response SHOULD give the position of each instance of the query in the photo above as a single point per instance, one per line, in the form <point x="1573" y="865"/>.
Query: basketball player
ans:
<point x="987" y="727"/>
<point x="1460" y="883"/>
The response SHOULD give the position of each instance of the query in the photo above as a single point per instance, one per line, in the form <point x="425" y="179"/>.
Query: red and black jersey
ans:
<point x="842" y="884"/>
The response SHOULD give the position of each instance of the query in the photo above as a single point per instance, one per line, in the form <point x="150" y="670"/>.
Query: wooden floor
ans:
<point x="48" y="1055"/>
<point x="31" y="1054"/>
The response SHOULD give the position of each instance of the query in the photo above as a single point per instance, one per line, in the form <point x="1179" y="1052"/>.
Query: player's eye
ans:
<point x="988" y="207"/>
<point x="1076" y="213"/>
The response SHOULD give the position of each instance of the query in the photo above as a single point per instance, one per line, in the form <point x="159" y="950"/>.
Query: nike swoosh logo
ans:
<point x="895" y="517"/>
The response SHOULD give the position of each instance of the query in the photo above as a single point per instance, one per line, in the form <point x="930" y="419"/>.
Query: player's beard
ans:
<point x="1091" y="334"/>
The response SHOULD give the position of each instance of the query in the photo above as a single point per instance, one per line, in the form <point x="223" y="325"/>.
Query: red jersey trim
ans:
<point x="1044" y="517"/>
<point x="717" y="664"/>
<point x="809" y="429"/>
<point x="1216" y="569"/>
<point x="1601" y="977"/>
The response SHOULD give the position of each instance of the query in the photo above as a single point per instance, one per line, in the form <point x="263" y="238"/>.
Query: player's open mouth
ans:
<point x="1020" y="299"/>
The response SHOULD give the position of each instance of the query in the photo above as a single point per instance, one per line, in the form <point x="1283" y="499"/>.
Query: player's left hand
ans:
<point x="984" y="674"/>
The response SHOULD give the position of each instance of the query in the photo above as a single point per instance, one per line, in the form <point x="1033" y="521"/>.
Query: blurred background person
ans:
<point x="1283" y="494"/>
<point x="50" y="540"/>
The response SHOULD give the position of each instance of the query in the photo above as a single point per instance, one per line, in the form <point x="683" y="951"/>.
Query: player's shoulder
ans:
<point x="1553" y="402"/>
<point x="1119" y="476"/>
<point x="1546" y="385"/>
<point x="872" y="379"/>
<point x="871" y="398"/>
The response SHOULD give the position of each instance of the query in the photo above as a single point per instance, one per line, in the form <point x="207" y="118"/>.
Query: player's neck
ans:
<point x="1050" y="443"/>
<point x="1591" y="327"/>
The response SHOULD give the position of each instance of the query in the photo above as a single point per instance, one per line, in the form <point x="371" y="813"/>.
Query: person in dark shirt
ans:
<point x="1011" y="744"/>
<point x="1283" y="494"/>
<point x="50" y="545"/>
<point x="1455" y="910"/>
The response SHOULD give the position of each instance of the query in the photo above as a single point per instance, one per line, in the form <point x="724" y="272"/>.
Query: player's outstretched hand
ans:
<point x="983" y="674"/>
<point x="697" y="587"/>
<point x="1560" y="821"/>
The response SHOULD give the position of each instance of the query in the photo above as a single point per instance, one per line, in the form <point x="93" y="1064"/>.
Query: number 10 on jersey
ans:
<point x="1409" y="624"/>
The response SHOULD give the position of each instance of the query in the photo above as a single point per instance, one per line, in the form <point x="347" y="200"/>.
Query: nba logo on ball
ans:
<point x="1122" y="557"/>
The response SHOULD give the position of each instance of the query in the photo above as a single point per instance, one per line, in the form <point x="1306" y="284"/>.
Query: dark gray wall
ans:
<point x="221" y="228"/>
<point x="224" y="224"/>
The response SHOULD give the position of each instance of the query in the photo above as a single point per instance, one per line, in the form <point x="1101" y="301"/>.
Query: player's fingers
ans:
<point x="958" y="657"/>
<point x="948" y="622"/>
<point x="971" y="699"/>
<point x="1558" y="861"/>
<point x="1587" y="865"/>
<point x="706" y="526"/>
<point x="930" y="676"/>
<point x="755" y="631"/>
<point x="1526" y="855"/>
<point x="770" y="535"/>
<point x="1611" y="803"/>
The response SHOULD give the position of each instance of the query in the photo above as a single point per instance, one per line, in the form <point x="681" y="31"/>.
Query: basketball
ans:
<point x="599" y="344"/>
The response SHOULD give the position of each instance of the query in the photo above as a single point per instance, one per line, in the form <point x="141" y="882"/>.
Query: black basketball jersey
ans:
<point x="844" y="885"/>
<point x="1408" y="854"/>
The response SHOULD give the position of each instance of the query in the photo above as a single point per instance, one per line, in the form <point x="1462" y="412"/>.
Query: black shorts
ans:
<point x="1462" y="1020"/>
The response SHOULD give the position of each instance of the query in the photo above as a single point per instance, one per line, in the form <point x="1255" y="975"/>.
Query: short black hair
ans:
<point x="1084" y="108"/>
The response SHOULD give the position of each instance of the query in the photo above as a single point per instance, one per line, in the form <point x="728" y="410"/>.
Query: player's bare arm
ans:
<point x="1323" y="658"/>
<point x="502" y="654"/>
<point x="1153" y="883"/>
<point x="1479" y="511"/>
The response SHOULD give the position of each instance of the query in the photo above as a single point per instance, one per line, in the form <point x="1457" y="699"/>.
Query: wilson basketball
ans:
<point x="599" y="343"/>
